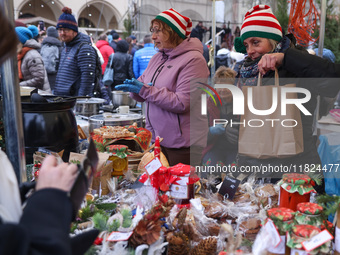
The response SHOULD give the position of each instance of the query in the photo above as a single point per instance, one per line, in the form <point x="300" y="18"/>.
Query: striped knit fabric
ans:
<point x="180" y="24"/>
<point x="261" y="22"/>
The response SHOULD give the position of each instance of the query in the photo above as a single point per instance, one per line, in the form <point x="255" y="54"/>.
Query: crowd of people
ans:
<point x="161" y="75"/>
<point x="63" y="60"/>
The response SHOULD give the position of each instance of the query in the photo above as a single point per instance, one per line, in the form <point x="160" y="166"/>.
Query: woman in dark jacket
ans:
<point x="261" y="33"/>
<point x="122" y="64"/>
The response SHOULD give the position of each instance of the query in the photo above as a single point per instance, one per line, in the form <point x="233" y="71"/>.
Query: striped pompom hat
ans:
<point x="259" y="21"/>
<point x="180" y="24"/>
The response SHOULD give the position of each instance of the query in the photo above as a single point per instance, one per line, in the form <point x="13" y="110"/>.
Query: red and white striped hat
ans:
<point x="260" y="21"/>
<point x="180" y="24"/>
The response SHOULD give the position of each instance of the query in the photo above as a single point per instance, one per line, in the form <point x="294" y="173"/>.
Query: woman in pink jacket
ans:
<point x="169" y="88"/>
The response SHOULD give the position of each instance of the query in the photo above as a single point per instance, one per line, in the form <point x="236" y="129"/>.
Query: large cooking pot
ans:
<point x="50" y="125"/>
<point x="122" y="98"/>
<point x="89" y="106"/>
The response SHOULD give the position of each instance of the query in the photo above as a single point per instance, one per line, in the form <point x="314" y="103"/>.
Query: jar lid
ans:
<point x="305" y="231"/>
<point x="309" y="208"/>
<point x="280" y="213"/>
<point x="327" y="225"/>
<point x="299" y="179"/>
<point x="118" y="150"/>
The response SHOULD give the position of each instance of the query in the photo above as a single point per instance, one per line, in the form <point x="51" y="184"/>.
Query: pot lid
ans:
<point x="114" y="117"/>
<point x="91" y="100"/>
<point x="28" y="106"/>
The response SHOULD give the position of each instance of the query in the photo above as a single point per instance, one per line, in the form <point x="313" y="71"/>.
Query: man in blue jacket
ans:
<point x="76" y="74"/>
<point x="142" y="57"/>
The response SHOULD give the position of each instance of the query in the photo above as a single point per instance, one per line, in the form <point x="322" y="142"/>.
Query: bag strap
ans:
<point x="259" y="79"/>
<point x="111" y="60"/>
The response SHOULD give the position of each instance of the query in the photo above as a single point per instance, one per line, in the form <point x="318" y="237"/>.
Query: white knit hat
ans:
<point x="180" y="24"/>
<point x="259" y="21"/>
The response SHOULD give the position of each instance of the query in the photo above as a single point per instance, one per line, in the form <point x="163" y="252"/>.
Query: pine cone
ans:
<point x="178" y="244"/>
<point x="146" y="232"/>
<point x="207" y="246"/>
<point x="180" y="219"/>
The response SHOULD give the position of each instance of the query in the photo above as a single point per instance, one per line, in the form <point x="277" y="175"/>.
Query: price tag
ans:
<point x="179" y="191"/>
<point x="270" y="228"/>
<point x="118" y="236"/>
<point x="318" y="240"/>
<point x="229" y="187"/>
<point x="153" y="166"/>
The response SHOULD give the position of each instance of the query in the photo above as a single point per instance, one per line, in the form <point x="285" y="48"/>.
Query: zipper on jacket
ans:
<point x="179" y="124"/>
<point x="153" y="79"/>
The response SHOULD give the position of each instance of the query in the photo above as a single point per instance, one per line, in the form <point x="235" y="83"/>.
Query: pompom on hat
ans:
<point x="259" y="21"/>
<point x="23" y="34"/>
<point x="180" y="24"/>
<point x="67" y="20"/>
<point x="34" y="30"/>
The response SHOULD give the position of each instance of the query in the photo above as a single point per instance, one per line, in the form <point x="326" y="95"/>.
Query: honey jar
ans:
<point x="119" y="159"/>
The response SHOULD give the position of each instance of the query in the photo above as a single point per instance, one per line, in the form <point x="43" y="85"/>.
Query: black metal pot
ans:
<point x="49" y="125"/>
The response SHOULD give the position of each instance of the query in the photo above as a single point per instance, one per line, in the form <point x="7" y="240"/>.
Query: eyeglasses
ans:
<point x="63" y="30"/>
<point x="155" y="30"/>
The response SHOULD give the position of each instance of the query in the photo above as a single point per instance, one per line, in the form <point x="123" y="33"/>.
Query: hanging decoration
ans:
<point x="302" y="23"/>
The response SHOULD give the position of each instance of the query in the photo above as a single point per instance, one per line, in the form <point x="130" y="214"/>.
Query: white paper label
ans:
<point x="153" y="166"/>
<point x="270" y="228"/>
<point x="179" y="191"/>
<point x="337" y="240"/>
<point x="298" y="252"/>
<point x="281" y="248"/>
<point x="318" y="240"/>
<point x="119" y="236"/>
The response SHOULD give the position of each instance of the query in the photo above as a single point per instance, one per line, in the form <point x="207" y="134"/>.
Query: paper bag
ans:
<point x="273" y="139"/>
<point x="103" y="175"/>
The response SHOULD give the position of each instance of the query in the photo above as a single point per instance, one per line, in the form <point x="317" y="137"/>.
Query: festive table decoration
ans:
<point x="148" y="229"/>
<point x="332" y="205"/>
<point x="182" y="188"/>
<point x="309" y="213"/>
<point x="294" y="189"/>
<point x="283" y="220"/>
<point x="140" y="136"/>
<point x="301" y="234"/>
<point x="118" y="156"/>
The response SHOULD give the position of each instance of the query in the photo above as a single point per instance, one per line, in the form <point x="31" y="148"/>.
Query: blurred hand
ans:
<point x="52" y="175"/>
<point x="270" y="61"/>
<point x="218" y="129"/>
<point x="132" y="85"/>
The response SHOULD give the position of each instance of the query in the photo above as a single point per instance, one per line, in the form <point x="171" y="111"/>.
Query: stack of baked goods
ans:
<point x="267" y="195"/>
<point x="113" y="132"/>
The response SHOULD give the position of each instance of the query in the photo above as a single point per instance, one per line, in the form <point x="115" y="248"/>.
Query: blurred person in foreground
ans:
<point x="43" y="225"/>
<point x="166" y="85"/>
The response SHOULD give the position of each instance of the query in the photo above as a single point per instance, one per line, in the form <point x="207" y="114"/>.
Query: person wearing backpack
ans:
<point x="50" y="53"/>
<point x="76" y="75"/>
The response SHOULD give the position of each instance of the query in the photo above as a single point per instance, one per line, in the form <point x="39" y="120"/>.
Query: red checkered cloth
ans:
<point x="142" y="138"/>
